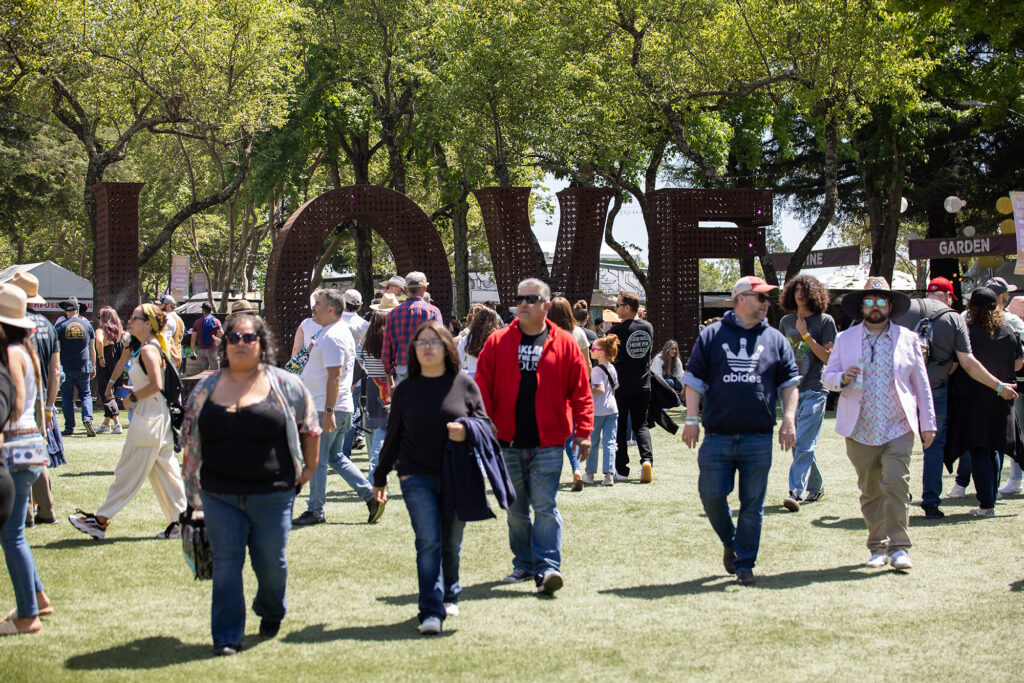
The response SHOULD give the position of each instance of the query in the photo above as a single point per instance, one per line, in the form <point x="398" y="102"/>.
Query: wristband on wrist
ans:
<point x="999" y="389"/>
<point x="805" y="336"/>
<point x="692" y="420"/>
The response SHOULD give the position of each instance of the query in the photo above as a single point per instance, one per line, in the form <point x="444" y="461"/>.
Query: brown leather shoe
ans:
<point x="745" y="577"/>
<point x="728" y="558"/>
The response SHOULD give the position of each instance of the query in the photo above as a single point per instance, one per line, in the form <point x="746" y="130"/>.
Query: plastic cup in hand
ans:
<point x="858" y="382"/>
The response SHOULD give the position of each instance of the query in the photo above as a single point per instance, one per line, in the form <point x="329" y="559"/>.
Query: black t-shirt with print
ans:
<point x="530" y="348"/>
<point x="636" y="339"/>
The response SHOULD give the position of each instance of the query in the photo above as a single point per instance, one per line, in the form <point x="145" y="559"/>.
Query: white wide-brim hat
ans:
<point x="13" y="302"/>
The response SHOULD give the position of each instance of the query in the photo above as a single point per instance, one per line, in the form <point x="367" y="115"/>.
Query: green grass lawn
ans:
<point x="645" y="593"/>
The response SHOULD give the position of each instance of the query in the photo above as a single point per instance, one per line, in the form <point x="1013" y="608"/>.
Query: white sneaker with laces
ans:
<point x="983" y="512"/>
<point x="619" y="477"/>
<point x="877" y="561"/>
<point x="588" y="478"/>
<point x="1011" y="488"/>
<point x="116" y="430"/>
<point x="431" y="626"/>
<point x="957" y="491"/>
<point x="609" y="480"/>
<point x="102" y="429"/>
<point x="451" y="609"/>
<point x="901" y="560"/>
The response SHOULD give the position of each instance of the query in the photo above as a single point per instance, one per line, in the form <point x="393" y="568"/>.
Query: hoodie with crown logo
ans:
<point x="740" y="371"/>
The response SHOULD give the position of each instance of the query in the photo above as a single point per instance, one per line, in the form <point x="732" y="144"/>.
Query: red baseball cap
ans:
<point x="751" y="283"/>
<point x="941" y="284"/>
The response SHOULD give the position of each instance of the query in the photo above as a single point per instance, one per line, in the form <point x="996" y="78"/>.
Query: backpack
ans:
<point x="206" y="331"/>
<point x="925" y="330"/>
<point x="611" y="380"/>
<point x="172" y="394"/>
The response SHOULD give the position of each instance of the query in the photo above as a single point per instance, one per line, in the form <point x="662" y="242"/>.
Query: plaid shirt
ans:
<point x="401" y="325"/>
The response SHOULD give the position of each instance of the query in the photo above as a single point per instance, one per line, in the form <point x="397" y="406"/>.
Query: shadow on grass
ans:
<point x="403" y="630"/>
<point x="1017" y="586"/>
<point x="852" y="572"/>
<point x="478" y="591"/>
<point x="154" y="652"/>
<point x="87" y="474"/>
<point x="66" y="543"/>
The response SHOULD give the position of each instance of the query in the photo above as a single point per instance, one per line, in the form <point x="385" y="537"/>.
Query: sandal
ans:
<point x="8" y="628"/>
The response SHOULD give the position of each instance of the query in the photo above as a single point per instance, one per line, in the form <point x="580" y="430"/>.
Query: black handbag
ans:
<point x="196" y="545"/>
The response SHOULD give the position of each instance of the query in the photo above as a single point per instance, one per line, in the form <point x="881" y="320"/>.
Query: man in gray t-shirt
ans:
<point x="949" y="345"/>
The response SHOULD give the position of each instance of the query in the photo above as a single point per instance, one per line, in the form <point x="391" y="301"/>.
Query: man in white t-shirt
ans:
<point x="174" y="330"/>
<point x="328" y="376"/>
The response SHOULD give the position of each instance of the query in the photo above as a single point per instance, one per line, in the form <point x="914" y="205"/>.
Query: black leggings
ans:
<point x="6" y="494"/>
<point x="984" y="471"/>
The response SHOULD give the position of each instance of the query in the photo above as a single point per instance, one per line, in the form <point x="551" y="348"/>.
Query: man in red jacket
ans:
<point x="534" y="381"/>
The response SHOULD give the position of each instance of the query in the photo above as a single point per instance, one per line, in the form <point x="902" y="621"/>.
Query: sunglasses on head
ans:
<point x="761" y="298"/>
<point x="238" y="337"/>
<point x="874" y="303"/>
<point x="529" y="298"/>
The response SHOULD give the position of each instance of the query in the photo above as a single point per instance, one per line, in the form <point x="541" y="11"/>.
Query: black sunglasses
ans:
<point x="247" y="337"/>
<point x="760" y="297"/>
<point x="528" y="298"/>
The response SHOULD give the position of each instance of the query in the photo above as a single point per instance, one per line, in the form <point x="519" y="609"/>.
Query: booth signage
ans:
<point x="959" y="247"/>
<point x="822" y="258"/>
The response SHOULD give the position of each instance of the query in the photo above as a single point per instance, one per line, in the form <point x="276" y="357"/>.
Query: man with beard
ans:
<point x="884" y="399"/>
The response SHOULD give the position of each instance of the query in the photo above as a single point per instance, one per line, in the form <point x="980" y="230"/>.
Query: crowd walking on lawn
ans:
<point x="490" y="409"/>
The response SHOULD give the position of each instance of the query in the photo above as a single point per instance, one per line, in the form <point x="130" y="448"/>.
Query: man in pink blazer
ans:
<point x="885" y="398"/>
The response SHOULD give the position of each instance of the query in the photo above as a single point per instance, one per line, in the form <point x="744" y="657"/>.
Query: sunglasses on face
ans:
<point x="874" y="303"/>
<point x="761" y="298"/>
<point x="428" y="344"/>
<point x="238" y="337"/>
<point x="528" y="299"/>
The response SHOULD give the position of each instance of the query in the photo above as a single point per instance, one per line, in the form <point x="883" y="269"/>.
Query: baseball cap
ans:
<point x="941" y="284"/>
<point x="1000" y="286"/>
<point x="165" y="299"/>
<point x="751" y="283"/>
<point x="352" y="297"/>
<point x="416" y="279"/>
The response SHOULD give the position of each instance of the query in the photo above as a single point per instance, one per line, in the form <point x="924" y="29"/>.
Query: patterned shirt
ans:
<point x="882" y="417"/>
<point x="401" y="325"/>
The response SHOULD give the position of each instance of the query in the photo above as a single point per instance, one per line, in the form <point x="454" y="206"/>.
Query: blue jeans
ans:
<point x="373" y="448"/>
<point x="438" y="544"/>
<point x="330" y="453"/>
<point x="804" y="474"/>
<point x="537" y="545"/>
<point x="350" y="435"/>
<point x="719" y="458"/>
<point x="17" y="554"/>
<point x="573" y="452"/>
<point x="260" y="522"/>
<point x="603" y="439"/>
<point x="81" y="381"/>
<point x="931" y="478"/>
<point x="963" y="469"/>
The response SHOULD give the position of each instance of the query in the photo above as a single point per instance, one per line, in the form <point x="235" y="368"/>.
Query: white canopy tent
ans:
<point x="55" y="284"/>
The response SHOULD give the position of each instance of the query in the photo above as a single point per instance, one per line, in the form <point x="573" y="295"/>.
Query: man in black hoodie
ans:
<point x="739" y="366"/>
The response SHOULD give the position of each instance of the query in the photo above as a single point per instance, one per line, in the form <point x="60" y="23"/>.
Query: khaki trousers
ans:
<point x="883" y="476"/>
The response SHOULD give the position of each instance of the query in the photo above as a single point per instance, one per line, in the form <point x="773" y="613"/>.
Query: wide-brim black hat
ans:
<point x="874" y="285"/>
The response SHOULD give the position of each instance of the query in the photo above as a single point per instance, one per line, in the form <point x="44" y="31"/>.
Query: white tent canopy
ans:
<point x="55" y="283"/>
<point x="854" y="277"/>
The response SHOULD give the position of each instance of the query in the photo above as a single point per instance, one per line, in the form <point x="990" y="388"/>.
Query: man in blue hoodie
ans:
<point x="739" y="366"/>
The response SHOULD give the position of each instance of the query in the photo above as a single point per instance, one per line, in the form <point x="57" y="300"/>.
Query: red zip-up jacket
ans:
<point x="563" y="387"/>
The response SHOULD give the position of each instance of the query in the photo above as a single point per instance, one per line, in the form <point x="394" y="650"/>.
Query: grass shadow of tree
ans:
<point x="478" y="591"/>
<point x="66" y="543"/>
<point x="154" y="652"/>
<point x="719" y="583"/>
<point x="403" y="630"/>
<point x="98" y="473"/>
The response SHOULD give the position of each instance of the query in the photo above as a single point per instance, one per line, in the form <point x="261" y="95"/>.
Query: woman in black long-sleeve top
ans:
<point x="423" y="413"/>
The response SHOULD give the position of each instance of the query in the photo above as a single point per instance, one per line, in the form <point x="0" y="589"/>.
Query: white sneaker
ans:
<point x="451" y="609"/>
<point x="1011" y="488"/>
<point x="103" y="429"/>
<point x="957" y="491"/>
<point x="116" y="430"/>
<point x="983" y="512"/>
<point x="619" y="477"/>
<point x="431" y="626"/>
<point x="588" y="478"/>
<point x="609" y="480"/>
<point x="901" y="560"/>
<point x="877" y="561"/>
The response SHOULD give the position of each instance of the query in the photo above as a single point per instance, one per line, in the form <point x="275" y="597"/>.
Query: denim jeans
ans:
<point x="537" y="545"/>
<point x="933" y="455"/>
<point x="17" y="554"/>
<point x="719" y="458"/>
<point x="260" y="522"/>
<point x="373" y="448"/>
<point x="603" y="439"/>
<point x="330" y="454"/>
<point x="350" y="435"/>
<point x="438" y="544"/>
<point x="573" y="453"/>
<point x="963" y="469"/>
<point x="804" y="474"/>
<point x="81" y="381"/>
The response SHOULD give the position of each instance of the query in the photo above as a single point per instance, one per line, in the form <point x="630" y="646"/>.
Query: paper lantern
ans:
<point x="904" y="205"/>
<point x="952" y="204"/>
<point x="1007" y="227"/>
<point x="969" y="231"/>
<point x="1004" y="205"/>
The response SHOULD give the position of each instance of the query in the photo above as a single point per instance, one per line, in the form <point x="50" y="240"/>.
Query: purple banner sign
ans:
<point x="959" y="247"/>
<point x="822" y="258"/>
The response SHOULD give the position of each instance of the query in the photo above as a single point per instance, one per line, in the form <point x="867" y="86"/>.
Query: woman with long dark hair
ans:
<point x="980" y="421"/>
<point x="484" y="323"/>
<point x="25" y="455"/>
<point x="423" y="413"/>
<point x="148" y="451"/>
<point x="110" y="342"/>
<point x="251" y="441"/>
<point x="379" y="384"/>
<point x="560" y="314"/>
<point x="669" y="365"/>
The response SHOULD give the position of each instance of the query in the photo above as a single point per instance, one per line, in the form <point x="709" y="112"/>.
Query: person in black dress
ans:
<point x="423" y="413"/>
<point x="979" y="420"/>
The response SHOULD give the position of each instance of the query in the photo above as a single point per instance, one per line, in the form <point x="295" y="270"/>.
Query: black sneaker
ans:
<point x="517" y="576"/>
<point x="358" y="442"/>
<point x="814" y="496"/>
<point x="376" y="510"/>
<point x="745" y="577"/>
<point x="67" y="432"/>
<point x="932" y="511"/>
<point x="226" y="650"/>
<point x="792" y="502"/>
<point x="550" y="582"/>
<point x="308" y="518"/>
<point x="268" y="628"/>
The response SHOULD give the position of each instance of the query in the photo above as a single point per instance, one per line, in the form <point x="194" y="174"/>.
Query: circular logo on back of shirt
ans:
<point x="639" y="344"/>
<point x="74" y="331"/>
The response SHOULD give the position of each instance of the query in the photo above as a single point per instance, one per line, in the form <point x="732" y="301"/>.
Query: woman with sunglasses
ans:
<point x="423" y="413"/>
<point x="149" y="445"/>
<point x="251" y="440"/>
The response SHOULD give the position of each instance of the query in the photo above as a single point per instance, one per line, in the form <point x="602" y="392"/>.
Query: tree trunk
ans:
<point x="892" y="224"/>
<point x="460" y="234"/>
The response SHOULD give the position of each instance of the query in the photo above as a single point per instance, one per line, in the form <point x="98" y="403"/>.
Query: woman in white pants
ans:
<point x="149" y="446"/>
